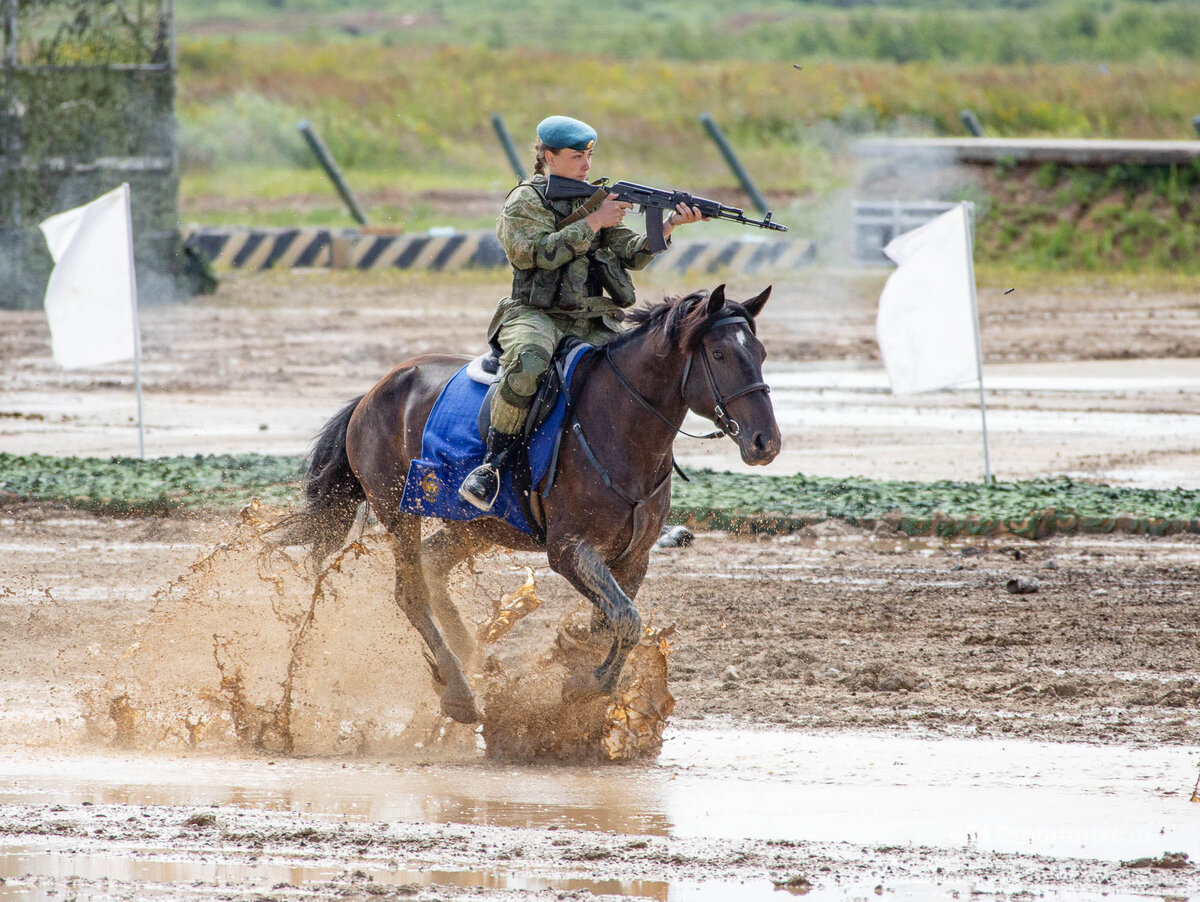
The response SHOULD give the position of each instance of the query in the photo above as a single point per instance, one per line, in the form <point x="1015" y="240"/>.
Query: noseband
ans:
<point x="726" y="425"/>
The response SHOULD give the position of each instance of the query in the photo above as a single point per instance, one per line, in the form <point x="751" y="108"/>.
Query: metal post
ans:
<point x="510" y="148"/>
<point x="325" y="158"/>
<point x="1196" y="124"/>
<point x="970" y="217"/>
<point x="171" y="25"/>
<point x="12" y="243"/>
<point x="735" y="164"/>
<point x="12" y="238"/>
<point x="10" y="156"/>
<point x="10" y="32"/>
<point x="137" y="330"/>
<point x="972" y="123"/>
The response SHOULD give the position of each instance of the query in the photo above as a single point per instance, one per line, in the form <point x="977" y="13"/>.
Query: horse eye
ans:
<point x="718" y="354"/>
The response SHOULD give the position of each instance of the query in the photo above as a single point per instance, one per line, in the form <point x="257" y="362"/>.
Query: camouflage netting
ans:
<point x="87" y="101"/>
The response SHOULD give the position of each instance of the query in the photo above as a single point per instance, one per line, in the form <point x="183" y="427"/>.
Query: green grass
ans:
<point x="127" y="485"/>
<point x="1122" y="218"/>
<point x="408" y="123"/>
<point x="996" y="31"/>
<point x="713" y="500"/>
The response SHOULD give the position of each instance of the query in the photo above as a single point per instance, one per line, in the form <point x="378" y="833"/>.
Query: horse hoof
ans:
<point x="460" y="709"/>
<point x="582" y="686"/>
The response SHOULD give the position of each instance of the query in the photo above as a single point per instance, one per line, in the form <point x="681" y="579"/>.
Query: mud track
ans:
<point x="826" y="631"/>
<point x="1086" y="643"/>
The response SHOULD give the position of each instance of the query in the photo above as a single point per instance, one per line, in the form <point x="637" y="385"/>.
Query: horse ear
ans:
<point x="754" y="305"/>
<point x="716" y="300"/>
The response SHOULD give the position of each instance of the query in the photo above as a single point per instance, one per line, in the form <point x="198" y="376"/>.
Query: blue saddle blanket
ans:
<point x="451" y="447"/>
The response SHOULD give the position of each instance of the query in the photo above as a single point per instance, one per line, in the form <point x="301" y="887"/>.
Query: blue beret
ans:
<point x="563" y="131"/>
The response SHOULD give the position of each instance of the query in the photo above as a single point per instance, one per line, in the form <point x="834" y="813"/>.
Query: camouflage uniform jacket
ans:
<point x="573" y="272"/>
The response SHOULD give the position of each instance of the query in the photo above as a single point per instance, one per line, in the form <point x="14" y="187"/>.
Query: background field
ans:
<point x="995" y="31"/>
<point x="402" y="94"/>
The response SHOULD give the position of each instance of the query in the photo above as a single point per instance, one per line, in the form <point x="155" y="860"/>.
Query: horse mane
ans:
<point x="677" y="319"/>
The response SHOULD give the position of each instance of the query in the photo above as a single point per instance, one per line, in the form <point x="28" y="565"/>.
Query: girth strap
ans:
<point x="636" y="503"/>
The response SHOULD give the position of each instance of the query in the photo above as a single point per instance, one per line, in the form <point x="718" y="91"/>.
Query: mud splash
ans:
<point x="251" y="648"/>
<point x="526" y="719"/>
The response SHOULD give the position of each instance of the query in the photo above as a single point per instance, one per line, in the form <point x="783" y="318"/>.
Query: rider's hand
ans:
<point x="682" y="215"/>
<point x="610" y="213"/>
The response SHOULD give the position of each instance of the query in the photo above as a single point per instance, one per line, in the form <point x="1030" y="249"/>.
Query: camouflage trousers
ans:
<point x="527" y="337"/>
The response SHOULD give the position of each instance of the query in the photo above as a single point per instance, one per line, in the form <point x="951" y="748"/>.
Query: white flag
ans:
<point x="926" y="322"/>
<point x="90" y="297"/>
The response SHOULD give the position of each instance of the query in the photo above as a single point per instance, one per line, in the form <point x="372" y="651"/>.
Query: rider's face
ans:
<point x="569" y="164"/>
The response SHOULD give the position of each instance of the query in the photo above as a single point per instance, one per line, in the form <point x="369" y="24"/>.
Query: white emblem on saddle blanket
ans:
<point x="478" y="372"/>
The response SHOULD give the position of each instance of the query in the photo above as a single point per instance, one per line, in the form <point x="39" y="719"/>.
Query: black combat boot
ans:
<point x="482" y="484"/>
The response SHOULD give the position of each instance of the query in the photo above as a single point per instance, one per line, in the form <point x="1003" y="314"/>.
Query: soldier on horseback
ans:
<point x="570" y="277"/>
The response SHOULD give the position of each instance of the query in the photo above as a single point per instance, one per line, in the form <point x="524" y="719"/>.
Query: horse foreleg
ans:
<point x="441" y="553"/>
<point x="629" y="575"/>
<point x="586" y="571"/>
<point x="412" y="595"/>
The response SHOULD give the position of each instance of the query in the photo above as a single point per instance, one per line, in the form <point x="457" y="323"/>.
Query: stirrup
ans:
<point x="480" y="474"/>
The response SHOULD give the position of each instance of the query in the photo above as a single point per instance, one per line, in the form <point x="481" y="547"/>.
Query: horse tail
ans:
<point x="332" y="492"/>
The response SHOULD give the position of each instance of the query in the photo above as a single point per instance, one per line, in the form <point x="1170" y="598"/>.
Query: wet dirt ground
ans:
<point x="857" y="709"/>
<point x="859" y="714"/>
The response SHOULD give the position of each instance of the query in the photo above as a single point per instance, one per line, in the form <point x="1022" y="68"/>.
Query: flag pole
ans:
<point x="137" y="332"/>
<point x="970" y="218"/>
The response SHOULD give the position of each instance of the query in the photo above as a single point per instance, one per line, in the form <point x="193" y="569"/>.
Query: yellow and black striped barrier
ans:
<point x="262" y="248"/>
<point x="250" y="248"/>
<point x="748" y="256"/>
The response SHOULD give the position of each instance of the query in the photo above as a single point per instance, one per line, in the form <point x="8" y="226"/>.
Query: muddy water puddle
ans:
<point x="1075" y="800"/>
<point x="1007" y="796"/>
<point x="159" y="867"/>
<point x="156" y="878"/>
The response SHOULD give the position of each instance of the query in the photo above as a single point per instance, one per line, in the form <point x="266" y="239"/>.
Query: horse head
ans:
<point x="722" y="380"/>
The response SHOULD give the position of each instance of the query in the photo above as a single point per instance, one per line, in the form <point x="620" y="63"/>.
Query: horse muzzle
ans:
<point x="759" y="446"/>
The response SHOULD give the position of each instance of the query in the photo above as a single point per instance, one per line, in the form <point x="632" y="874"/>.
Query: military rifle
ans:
<point x="653" y="201"/>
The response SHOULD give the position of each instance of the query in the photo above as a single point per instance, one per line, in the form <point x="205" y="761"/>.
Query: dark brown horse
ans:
<point x="610" y="496"/>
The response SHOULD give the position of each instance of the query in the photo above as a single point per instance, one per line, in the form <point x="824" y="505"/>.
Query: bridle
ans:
<point x="726" y="425"/>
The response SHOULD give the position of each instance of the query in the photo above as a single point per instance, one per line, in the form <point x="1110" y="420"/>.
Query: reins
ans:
<point x="725" y="423"/>
<point x="637" y="396"/>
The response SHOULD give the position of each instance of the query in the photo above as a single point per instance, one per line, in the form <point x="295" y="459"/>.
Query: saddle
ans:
<point x="486" y="369"/>
<point x="453" y="443"/>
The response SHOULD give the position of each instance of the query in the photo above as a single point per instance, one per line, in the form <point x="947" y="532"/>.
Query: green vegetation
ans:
<point x="713" y="500"/>
<point x="1032" y="509"/>
<point x="986" y="31"/>
<point x="414" y="119"/>
<point x="402" y="94"/>
<point x="1133" y="218"/>
<point x="129" y="485"/>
